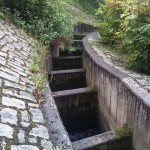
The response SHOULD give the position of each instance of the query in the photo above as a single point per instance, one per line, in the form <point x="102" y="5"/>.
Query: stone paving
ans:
<point x="114" y="61"/>
<point x="22" y="124"/>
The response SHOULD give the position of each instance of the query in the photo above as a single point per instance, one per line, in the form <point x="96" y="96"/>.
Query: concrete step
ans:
<point x="69" y="62"/>
<point x="79" y="36"/>
<point x="98" y="141"/>
<point x="83" y="28"/>
<point x="77" y="43"/>
<point x="67" y="79"/>
<point x="68" y="57"/>
<point x="73" y="92"/>
<point x="80" y="70"/>
<point x="78" y="109"/>
<point x="77" y="52"/>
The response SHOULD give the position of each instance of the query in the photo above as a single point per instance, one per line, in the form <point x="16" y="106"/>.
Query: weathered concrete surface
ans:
<point x="67" y="79"/>
<point x="83" y="28"/>
<point x="113" y="60"/>
<point x="22" y="126"/>
<point x="94" y="141"/>
<point x="104" y="141"/>
<point x="121" y="98"/>
<point x="79" y="114"/>
<point x="58" y="134"/>
<point x="73" y="92"/>
<point x="63" y="63"/>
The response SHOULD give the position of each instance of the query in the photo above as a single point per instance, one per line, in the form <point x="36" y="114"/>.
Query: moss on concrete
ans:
<point x="124" y="132"/>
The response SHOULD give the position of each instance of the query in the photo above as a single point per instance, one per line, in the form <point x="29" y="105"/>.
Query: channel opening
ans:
<point x="79" y="114"/>
<point x="67" y="79"/>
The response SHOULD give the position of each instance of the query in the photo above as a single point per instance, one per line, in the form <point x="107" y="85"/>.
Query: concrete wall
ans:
<point x="64" y="63"/>
<point x="120" y="98"/>
<point x="57" y="131"/>
<point x="83" y="28"/>
<point x="104" y="141"/>
<point x="117" y="144"/>
<point x="66" y="80"/>
<point x="78" y="111"/>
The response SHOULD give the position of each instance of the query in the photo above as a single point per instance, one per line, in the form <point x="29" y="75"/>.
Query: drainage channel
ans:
<point x="79" y="111"/>
<point x="77" y="104"/>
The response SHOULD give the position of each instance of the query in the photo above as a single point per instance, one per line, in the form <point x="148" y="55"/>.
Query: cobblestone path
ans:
<point x="21" y="121"/>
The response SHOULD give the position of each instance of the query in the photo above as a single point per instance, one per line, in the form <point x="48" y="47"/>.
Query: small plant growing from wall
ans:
<point x="38" y="79"/>
<point x="57" y="148"/>
<point x="38" y="76"/>
<point x="34" y="68"/>
<point x="124" y="132"/>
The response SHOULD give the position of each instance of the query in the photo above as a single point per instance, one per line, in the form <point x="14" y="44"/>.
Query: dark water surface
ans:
<point x="78" y="135"/>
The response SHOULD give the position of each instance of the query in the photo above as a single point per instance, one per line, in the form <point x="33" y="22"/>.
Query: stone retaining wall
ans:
<point x="121" y="99"/>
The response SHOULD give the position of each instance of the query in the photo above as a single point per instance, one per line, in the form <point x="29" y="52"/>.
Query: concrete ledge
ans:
<point x="98" y="60"/>
<point x="122" y="100"/>
<point x="83" y="28"/>
<point x="57" y="132"/>
<point x="78" y="41"/>
<point x="72" y="92"/>
<point x="94" y="141"/>
<point x="127" y="80"/>
<point x="67" y="63"/>
<point x="68" y="57"/>
<point x="67" y="71"/>
<point x="79" y="36"/>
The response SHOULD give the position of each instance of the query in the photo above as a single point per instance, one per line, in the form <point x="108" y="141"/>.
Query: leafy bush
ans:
<point x="136" y="36"/>
<point x="44" y="19"/>
<point x="110" y="21"/>
<point x="88" y="5"/>
<point x="125" y="25"/>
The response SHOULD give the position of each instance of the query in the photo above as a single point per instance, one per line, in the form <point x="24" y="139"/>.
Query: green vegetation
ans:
<point x="43" y="19"/>
<point x="124" y="132"/>
<point x="37" y="71"/>
<point x="125" y="26"/>
<point x="48" y="21"/>
<point x="57" y="148"/>
<point x="34" y="68"/>
<point x="79" y="14"/>
<point x="89" y="6"/>
<point x="39" y="79"/>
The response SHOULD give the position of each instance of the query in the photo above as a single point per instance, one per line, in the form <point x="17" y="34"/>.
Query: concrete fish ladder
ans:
<point x="76" y="108"/>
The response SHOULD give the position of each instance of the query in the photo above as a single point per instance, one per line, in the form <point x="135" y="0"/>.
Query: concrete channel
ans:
<point x="71" y="108"/>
